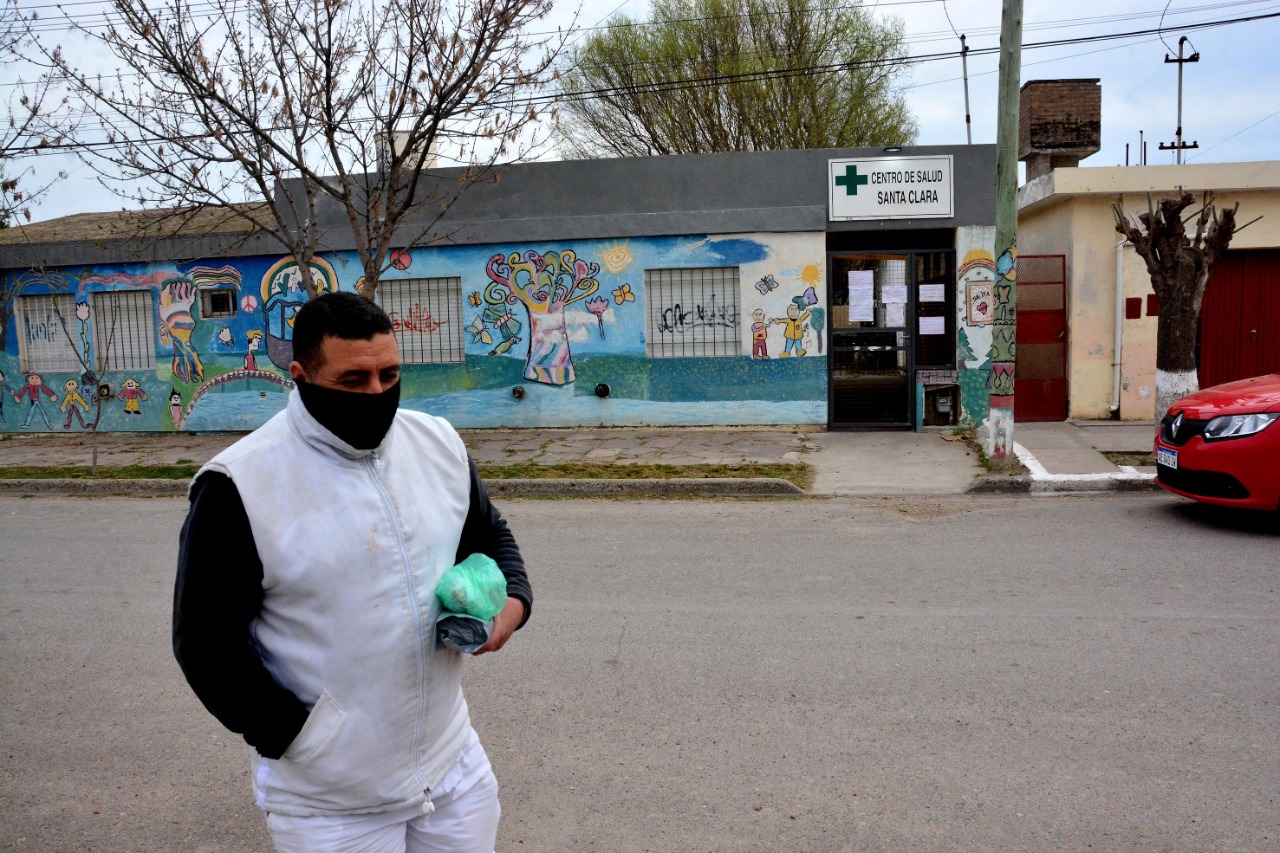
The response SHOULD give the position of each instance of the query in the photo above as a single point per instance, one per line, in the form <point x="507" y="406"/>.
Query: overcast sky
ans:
<point x="1231" y="97"/>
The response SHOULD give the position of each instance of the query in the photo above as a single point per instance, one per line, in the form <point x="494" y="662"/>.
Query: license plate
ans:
<point x="1167" y="457"/>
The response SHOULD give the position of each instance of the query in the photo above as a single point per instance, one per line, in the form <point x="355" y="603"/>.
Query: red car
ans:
<point x="1221" y="445"/>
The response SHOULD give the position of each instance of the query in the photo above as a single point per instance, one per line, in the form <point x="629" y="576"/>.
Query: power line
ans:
<point x="1237" y="133"/>
<point x="659" y="87"/>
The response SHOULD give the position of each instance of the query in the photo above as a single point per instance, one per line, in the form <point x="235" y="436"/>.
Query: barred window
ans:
<point x="692" y="312"/>
<point x="217" y="303"/>
<point x="426" y="314"/>
<point x="123" y="327"/>
<point x="43" y="345"/>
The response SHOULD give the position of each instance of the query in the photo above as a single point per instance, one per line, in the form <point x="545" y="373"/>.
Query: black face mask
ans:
<point x="361" y="420"/>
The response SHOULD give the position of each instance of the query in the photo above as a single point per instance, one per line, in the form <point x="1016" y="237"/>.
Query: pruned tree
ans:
<point x="1180" y="266"/>
<point x="316" y="105"/>
<point x="703" y="76"/>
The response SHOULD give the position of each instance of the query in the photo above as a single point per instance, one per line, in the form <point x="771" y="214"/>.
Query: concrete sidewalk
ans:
<point x="1057" y="457"/>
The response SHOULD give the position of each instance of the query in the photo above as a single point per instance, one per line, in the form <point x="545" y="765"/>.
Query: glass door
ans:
<point x="870" y="355"/>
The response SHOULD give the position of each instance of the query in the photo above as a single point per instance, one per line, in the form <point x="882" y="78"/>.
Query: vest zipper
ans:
<point x="411" y="588"/>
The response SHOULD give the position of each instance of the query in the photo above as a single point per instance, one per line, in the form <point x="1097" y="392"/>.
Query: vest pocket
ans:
<point x="321" y="725"/>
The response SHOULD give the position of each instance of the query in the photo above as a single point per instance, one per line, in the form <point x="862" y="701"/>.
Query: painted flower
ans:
<point x="82" y="311"/>
<point x="624" y="294"/>
<point x="598" y="306"/>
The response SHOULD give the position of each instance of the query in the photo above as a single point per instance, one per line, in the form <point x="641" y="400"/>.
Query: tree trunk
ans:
<point x="1177" y="331"/>
<point x="549" y="359"/>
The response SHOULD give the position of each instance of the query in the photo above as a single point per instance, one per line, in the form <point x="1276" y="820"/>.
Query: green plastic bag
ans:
<point x="475" y="587"/>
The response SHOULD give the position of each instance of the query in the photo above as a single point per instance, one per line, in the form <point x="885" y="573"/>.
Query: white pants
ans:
<point x="464" y="819"/>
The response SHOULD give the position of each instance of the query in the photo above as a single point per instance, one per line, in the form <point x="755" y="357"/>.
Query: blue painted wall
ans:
<point x="231" y="374"/>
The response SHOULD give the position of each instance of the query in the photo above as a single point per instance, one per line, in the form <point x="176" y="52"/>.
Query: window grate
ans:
<point x="426" y="314"/>
<point x="122" y="330"/>
<point x="43" y="345"/>
<point x="217" y="303"/>
<point x="692" y="312"/>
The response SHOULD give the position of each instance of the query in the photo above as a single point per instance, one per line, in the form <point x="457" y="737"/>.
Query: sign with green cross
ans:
<point x="890" y="188"/>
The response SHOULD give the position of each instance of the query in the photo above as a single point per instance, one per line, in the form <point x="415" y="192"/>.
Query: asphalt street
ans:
<point x="967" y="673"/>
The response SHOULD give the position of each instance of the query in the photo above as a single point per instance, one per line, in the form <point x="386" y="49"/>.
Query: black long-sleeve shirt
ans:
<point x="218" y="594"/>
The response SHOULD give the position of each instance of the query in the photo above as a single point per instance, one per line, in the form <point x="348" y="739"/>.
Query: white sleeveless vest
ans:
<point x="353" y="544"/>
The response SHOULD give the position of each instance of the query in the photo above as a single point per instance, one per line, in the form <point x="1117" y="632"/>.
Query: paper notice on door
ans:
<point x="933" y="325"/>
<point x="895" y="315"/>
<point x="893" y="293"/>
<point x="862" y="296"/>
<point x="933" y="293"/>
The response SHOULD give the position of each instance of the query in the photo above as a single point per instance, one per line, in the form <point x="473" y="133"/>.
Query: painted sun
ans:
<point x="811" y="274"/>
<point x="617" y="257"/>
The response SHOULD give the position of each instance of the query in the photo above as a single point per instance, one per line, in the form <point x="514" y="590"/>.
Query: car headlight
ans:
<point x="1238" y="426"/>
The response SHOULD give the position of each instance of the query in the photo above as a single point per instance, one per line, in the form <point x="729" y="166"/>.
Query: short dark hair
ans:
<point x="335" y="315"/>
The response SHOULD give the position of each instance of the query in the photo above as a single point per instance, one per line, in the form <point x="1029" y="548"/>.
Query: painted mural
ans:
<point x="975" y="310"/>
<point x="542" y="329"/>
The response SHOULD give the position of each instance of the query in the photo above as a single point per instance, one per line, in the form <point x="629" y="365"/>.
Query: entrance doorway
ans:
<point x="891" y="314"/>
<point x="1040" y="383"/>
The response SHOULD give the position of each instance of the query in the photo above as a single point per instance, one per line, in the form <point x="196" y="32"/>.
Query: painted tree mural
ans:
<point x="545" y="284"/>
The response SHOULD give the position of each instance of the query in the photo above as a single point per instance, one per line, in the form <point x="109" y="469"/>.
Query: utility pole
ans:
<point x="1178" y="145"/>
<point x="1004" y="330"/>
<point x="964" y="66"/>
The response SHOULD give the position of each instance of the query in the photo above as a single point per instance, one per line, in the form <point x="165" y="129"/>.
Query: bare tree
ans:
<point x="1180" y="267"/>
<point x="32" y="105"/>
<point x="317" y="104"/>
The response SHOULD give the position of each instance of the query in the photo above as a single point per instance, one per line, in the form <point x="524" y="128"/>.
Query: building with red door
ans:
<point x="1104" y="311"/>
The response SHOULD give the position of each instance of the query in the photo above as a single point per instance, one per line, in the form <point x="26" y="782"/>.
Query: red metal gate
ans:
<point x="1040" y="381"/>
<point x="1240" y="318"/>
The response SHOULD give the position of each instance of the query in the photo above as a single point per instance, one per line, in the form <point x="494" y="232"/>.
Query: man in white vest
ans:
<point x="304" y="609"/>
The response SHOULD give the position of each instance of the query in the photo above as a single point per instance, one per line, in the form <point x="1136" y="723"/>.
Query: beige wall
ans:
<point x="1069" y="212"/>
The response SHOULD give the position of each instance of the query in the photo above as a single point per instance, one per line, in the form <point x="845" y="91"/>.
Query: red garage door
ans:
<point x="1240" y="318"/>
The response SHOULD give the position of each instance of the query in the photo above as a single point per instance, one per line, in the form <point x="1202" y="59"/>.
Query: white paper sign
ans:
<point x="862" y="296"/>
<point x="933" y="293"/>
<point x="895" y="315"/>
<point x="933" y="325"/>
<point x="893" y="293"/>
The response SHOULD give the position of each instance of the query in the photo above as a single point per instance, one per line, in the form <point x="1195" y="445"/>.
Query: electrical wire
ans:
<point x="657" y="87"/>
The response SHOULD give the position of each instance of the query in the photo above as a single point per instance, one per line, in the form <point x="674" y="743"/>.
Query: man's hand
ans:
<point x="504" y="625"/>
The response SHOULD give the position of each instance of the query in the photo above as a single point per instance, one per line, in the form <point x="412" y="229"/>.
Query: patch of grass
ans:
<point x="105" y="472"/>
<point x="798" y="473"/>
<point x="1129" y="457"/>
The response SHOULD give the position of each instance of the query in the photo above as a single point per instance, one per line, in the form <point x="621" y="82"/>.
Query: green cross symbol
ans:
<point x="851" y="180"/>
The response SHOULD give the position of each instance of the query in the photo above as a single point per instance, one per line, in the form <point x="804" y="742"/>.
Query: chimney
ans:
<point x="1059" y="124"/>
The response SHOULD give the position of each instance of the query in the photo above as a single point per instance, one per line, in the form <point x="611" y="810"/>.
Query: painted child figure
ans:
<point x="793" y="326"/>
<point x="253" y="339"/>
<point x="73" y="403"/>
<point x="759" y="335"/>
<point x="131" y="392"/>
<point x="33" y="389"/>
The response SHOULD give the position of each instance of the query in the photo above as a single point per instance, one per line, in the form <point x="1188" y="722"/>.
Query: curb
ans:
<point x="1062" y="484"/>
<point x="550" y="488"/>
<point x="137" y="488"/>
<point x="675" y="487"/>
